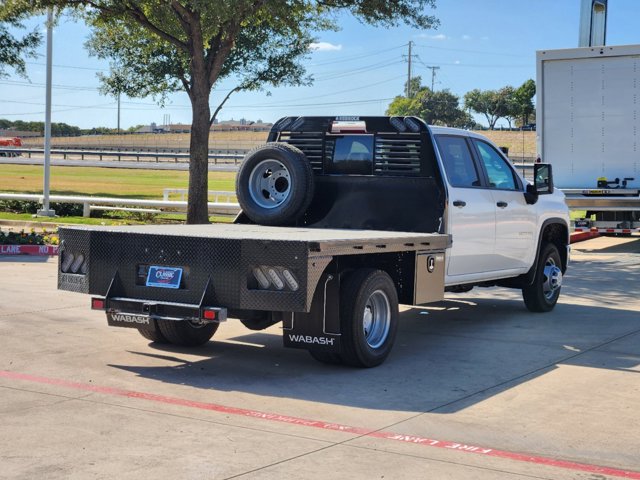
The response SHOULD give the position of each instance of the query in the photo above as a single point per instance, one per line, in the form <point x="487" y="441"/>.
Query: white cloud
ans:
<point x="439" y="36"/>
<point x="484" y="38"/>
<point x="457" y="62"/>
<point x="466" y="37"/>
<point x="324" y="47"/>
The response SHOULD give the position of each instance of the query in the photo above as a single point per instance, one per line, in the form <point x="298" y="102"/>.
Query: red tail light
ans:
<point x="97" y="304"/>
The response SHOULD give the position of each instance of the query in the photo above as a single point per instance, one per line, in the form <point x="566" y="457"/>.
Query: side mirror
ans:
<point x="543" y="178"/>
<point x="530" y="195"/>
<point x="542" y="183"/>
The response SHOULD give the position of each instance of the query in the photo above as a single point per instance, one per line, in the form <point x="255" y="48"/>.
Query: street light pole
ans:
<point x="46" y="211"/>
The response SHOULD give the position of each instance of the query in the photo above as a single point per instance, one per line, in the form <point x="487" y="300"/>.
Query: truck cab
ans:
<point x="495" y="224"/>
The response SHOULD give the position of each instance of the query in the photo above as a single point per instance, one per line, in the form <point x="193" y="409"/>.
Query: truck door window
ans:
<point x="500" y="175"/>
<point x="458" y="162"/>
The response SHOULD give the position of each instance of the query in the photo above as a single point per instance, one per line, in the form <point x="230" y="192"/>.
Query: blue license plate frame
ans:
<point x="164" y="277"/>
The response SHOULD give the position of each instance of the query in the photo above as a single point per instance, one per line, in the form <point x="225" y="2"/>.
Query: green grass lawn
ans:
<point x="104" y="182"/>
<point x="113" y="219"/>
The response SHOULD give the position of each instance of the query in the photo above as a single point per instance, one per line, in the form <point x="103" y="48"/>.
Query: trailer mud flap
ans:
<point x="320" y="328"/>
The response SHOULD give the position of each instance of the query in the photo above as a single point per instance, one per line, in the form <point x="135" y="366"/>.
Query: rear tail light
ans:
<point x="275" y="278"/>
<point x="98" y="304"/>
<point x="73" y="262"/>
<point x="213" y="314"/>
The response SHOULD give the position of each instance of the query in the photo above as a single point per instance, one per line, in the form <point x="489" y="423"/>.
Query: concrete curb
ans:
<point x="582" y="236"/>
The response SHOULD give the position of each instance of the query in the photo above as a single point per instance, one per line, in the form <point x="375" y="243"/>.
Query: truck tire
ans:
<point x="542" y="295"/>
<point x="153" y="334"/>
<point x="274" y="185"/>
<point x="329" y="358"/>
<point x="186" y="333"/>
<point x="368" y="317"/>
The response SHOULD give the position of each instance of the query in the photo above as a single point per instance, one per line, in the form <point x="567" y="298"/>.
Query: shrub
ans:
<point x="30" y="238"/>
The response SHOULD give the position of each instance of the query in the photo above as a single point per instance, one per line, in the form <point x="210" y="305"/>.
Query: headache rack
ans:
<point x="402" y="146"/>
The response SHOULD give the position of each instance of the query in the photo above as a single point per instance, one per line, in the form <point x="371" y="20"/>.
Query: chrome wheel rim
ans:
<point x="552" y="279"/>
<point x="376" y="319"/>
<point x="269" y="183"/>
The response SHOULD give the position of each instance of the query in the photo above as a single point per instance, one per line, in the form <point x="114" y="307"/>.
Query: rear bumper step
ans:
<point x="131" y="312"/>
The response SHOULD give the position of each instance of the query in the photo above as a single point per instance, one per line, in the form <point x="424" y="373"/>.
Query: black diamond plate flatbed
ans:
<point x="320" y="241"/>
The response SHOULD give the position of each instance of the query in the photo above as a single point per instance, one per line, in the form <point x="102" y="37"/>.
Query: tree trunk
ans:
<point x="197" y="210"/>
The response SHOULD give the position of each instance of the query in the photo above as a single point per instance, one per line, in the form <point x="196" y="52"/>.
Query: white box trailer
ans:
<point x="588" y="126"/>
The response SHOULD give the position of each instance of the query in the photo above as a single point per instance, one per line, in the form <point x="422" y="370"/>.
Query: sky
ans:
<point x="357" y="70"/>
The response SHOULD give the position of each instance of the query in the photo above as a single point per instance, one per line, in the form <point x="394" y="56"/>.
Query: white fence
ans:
<point x="127" y="204"/>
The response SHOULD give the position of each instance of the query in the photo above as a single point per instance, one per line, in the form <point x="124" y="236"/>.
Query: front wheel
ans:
<point x="542" y="295"/>
<point x="368" y="317"/>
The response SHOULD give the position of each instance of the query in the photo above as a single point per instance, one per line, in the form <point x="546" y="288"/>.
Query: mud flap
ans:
<point x="320" y="328"/>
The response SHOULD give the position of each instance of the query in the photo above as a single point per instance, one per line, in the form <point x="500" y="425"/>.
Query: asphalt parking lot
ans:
<point x="476" y="388"/>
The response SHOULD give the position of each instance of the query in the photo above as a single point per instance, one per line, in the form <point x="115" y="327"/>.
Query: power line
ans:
<point x="356" y="57"/>
<point x="504" y="54"/>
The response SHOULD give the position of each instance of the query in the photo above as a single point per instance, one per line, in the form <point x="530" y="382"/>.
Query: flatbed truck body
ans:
<point x="342" y="220"/>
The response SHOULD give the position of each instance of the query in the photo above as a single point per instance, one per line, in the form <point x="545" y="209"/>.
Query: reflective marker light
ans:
<point x="413" y="125"/>
<point x="209" y="314"/>
<point x="67" y="260"/>
<point x="77" y="263"/>
<point x="277" y="281"/>
<point x="97" y="304"/>
<point x="291" y="281"/>
<point x="261" y="278"/>
<point x="398" y="124"/>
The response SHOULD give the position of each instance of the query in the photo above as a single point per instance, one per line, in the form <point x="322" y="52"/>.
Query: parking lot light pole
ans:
<point x="46" y="211"/>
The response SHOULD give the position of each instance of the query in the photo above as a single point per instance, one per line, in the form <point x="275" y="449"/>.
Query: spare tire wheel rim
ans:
<point x="376" y="319"/>
<point x="269" y="183"/>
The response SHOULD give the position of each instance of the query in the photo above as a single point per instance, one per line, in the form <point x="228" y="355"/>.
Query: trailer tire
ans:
<point x="368" y="317"/>
<point x="330" y="358"/>
<point x="186" y="333"/>
<point x="542" y="295"/>
<point x="153" y="334"/>
<point x="275" y="184"/>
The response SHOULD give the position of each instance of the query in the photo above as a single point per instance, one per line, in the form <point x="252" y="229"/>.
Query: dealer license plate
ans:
<point x="164" y="277"/>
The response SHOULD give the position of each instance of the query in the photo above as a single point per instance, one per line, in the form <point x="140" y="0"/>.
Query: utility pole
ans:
<point x="46" y="211"/>
<point x="409" y="72"/>
<point x="433" y="76"/>
<point x="118" y="112"/>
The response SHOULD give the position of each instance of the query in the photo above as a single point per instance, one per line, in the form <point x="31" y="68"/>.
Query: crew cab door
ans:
<point x="471" y="213"/>
<point x="515" y="219"/>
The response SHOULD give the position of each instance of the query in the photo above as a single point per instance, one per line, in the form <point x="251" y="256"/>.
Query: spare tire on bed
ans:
<point x="275" y="184"/>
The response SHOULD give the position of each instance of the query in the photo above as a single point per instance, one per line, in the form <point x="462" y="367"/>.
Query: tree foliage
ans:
<point x="161" y="46"/>
<point x="493" y="104"/>
<point x="436" y="108"/>
<point x="523" y="99"/>
<point x="14" y="50"/>
<point x="512" y="104"/>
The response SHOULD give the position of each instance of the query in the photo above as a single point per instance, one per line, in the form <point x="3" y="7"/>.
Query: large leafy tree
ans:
<point x="493" y="104"/>
<point x="14" y="49"/>
<point x="436" y="108"/>
<point x="523" y="99"/>
<point x="161" y="46"/>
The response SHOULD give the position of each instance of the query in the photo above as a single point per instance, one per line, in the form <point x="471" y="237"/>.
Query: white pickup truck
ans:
<point x="343" y="219"/>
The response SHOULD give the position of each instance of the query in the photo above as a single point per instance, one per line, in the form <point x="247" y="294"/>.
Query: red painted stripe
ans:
<point x="424" y="441"/>
<point x="47" y="250"/>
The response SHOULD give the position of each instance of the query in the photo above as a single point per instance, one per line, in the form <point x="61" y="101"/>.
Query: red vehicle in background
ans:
<point x="7" y="144"/>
